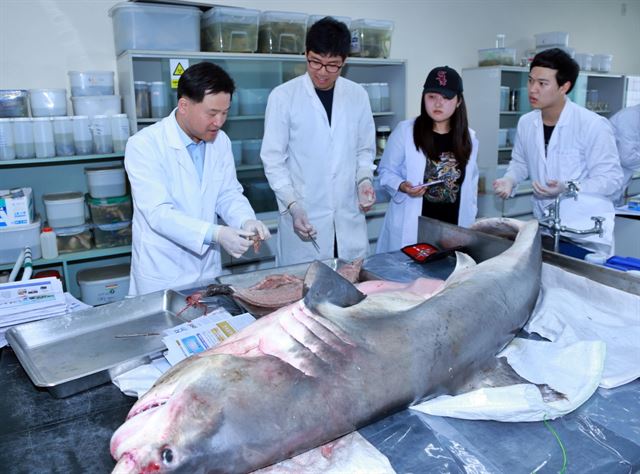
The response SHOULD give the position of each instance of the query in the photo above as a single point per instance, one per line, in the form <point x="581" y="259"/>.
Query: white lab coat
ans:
<point x="626" y="126"/>
<point x="402" y="162"/>
<point x="319" y="165"/>
<point x="172" y="210"/>
<point x="582" y="148"/>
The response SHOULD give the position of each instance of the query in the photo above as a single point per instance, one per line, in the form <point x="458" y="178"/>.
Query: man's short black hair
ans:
<point x="329" y="37"/>
<point x="555" y="58"/>
<point x="202" y="79"/>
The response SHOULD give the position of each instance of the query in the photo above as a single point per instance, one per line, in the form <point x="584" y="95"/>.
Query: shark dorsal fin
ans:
<point x="323" y="285"/>
<point x="463" y="263"/>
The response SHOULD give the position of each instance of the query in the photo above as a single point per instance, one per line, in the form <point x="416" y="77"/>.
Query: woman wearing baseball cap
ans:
<point x="429" y="164"/>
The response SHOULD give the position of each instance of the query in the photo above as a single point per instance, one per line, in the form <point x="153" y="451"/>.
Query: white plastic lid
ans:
<point x="104" y="273"/>
<point x="22" y="119"/>
<point x="47" y="90"/>
<point x="41" y="119"/>
<point x="90" y="72"/>
<point x="113" y="226"/>
<point x="598" y="258"/>
<point x="150" y="7"/>
<point x="100" y="116"/>
<point x="384" y="128"/>
<point x="120" y="115"/>
<point x="64" y="198"/>
<point x="80" y="117"/>
<point x="61" y="118"/>
<point x="73" y="230"/>
<point x="104" y="169"/>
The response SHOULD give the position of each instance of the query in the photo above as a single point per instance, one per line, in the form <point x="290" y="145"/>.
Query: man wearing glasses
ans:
<point x="318" y="150"/>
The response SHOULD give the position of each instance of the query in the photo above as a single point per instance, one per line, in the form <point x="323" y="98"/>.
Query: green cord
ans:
<point x="564" y="453"/>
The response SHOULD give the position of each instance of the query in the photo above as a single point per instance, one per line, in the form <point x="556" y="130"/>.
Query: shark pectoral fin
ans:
<point x="323" y="285"/>
<point x="463" y="262"/>
<point x="498" y="373"/>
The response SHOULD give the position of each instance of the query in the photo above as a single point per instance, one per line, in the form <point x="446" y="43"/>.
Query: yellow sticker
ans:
<point x="177" y="68"/>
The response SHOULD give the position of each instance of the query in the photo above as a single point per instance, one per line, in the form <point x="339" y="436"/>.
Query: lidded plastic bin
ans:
<point x="92" y="105"/>
<point x="112" y="235"/>
<point x="282" y="32"/>
<point x="251" y="151"/>
<point x="73" y="239"/>
<point x="106" y="181"/>
<point x="110" y="210"/>
<point x="314" y="18"/>
<point x="103" y="285"/>
<point x="87" y="83"/>
<point x="155" y="27"/>
<point x="64" y="209"/>
<point x="552" y="38"/>
<point x="14" y="238"/>
<point x="14" y="103"/>
<point x="602" y="62"/>
<point x="496" y="57"/>
<point x="230" y="29"/>
<point x="371" y="38"/>
<point x="48" y="102"/>
<point x="253" y="101"/>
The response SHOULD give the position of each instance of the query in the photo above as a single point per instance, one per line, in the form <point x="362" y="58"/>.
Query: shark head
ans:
<point x="169" y="428"/>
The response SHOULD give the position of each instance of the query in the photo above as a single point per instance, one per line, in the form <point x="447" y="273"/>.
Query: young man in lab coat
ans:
<point x="560" y="141"/>
<point x="182" y="177"/>
<point x="626" y="126"/>
<point x="318" y="150"/>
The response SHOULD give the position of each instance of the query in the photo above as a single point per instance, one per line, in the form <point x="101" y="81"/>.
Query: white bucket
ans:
<point x="85" y="83"/>
<point x="104" y="284"/>
<point x="105" y="182"/>
<point x="64" y="209"/>
<point x="92" y="105"/>
<point x="48" y="102"/>
<point x="14" y="238"/>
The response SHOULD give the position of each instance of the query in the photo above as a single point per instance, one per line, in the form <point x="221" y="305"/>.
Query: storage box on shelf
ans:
<point x="74" y="239"/>
<point x="371" y="38"/>
<point x="14" y="239"/>
<point x="282" y="32"/>
<point x="230" y="29"/>
<point x="102" y="285"/>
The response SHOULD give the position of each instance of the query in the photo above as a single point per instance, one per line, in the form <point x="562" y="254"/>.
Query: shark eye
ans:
<point x="167" y="456"/>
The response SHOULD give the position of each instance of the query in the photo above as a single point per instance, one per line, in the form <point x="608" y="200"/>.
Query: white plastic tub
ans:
<point x="371" y="38"/>
<point x="602" y="62"/>
<point x="13" y="239"/>
<point x="253" y="101"/>
<point x="64" y="209"/>
<point x="282" y="32"/>
<point x="103" y="285"/>
<point x="110" y="210"/>
<point x="73" y="239"/>
<point x="106" y="181"/>
<point x="230" y="29"/>
<point x="584" y="61"/>
<point x="552" y="38"/>
<point x="155" y="27"/>
<point x="84" y="83"/>
<point x="251" y="151"/>
<point x="48" y="102"/>
<point x="92" y="105"/>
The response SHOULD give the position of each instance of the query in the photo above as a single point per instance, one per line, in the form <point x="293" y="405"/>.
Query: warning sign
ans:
<point x="177" y="68"/>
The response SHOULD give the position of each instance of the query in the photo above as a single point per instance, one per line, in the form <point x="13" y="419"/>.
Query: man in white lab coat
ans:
<point x="182" y="177"/>
<point x="318" y="150"/>
<point x="626" y="126"/>
<point x="560" y="141"/>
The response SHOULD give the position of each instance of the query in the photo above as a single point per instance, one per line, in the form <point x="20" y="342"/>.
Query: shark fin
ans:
<point x="323" y="285"/>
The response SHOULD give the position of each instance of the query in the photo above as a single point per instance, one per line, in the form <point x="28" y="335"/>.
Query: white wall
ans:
<point x="40" y="40"/>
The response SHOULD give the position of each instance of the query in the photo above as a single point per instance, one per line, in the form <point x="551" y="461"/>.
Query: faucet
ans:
<point x="552" y="219"/>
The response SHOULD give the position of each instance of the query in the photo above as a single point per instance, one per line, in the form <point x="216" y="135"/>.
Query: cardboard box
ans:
<point x="16" y="207"/>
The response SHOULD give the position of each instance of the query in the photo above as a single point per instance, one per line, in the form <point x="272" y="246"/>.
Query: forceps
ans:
<point x="313" y="241"/>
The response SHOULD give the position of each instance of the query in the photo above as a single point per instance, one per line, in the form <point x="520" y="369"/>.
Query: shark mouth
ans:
<point x="148" y="407"/>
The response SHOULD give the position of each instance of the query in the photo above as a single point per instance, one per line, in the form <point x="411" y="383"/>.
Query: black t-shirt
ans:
<point x="326" y="97"/>
<point x="548" y="130"/>
<point x="442" y="200"/>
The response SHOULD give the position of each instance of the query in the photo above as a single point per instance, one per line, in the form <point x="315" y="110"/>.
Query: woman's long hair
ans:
<point x="423" y="133"/>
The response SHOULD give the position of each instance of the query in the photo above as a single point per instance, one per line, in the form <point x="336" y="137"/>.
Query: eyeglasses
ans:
<point x="317" y="65"/>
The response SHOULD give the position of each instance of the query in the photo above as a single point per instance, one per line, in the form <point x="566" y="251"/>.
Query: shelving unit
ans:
<point x="255" y="71"/>
<point x="482" y="95"/>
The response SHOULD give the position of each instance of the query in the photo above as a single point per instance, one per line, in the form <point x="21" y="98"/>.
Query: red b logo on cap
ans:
<point x="442" y="78"/>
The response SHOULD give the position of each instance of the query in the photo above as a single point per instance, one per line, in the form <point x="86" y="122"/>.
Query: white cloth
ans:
<point x="173" y="210"/>
<point x="626" y="126"/>
<point x="402" y="162"/>
<point x="318" y="164"/>
<point x="136" y="382"/>
<point x="582" y="148"/>
<point x="573" y="308"/>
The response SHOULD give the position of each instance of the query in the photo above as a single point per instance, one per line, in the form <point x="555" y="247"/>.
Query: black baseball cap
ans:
<point x="443" y="80"/>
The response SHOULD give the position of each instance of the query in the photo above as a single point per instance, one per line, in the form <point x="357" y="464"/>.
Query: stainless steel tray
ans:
<point x="71" y="353"/>
<point x="245" y="280"/>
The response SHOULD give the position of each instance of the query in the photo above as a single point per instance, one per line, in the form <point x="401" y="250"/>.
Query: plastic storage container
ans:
<point x="48" y="102"/>
<point x="23" y="137"/>
<point x="73" y="239"/>
<point x="110" y="210"/>
<point x="251" y="151"/>
<point x="101" y="132"/>
<point x="92" y="105"/>
<point x="602" y="62"/>
<point x="120" y="132"/>
<point x="260" y="195"/>
<point x="159" y="99"/>
<point x="104" y="284"/>
<point x="584" y="61"/>
<point x="282" y="32"/>
<point x="497" y="56"/>
<point x="553" y="38"/>
<point x="87" y="83"/>
<point x="14" y="103"/>
<point x="230" y="29"/>
<point x="43" y="138"/>
<point x="141" y="90"/>
<point x="7" y="147"/>
<point x="64" y="209"/>
<point x="253" y="101"/>
<point x="112" y="235"/>
<point x="371" y="38"/>
<point x="63" y="136"/>
<point x="48" y="244"/>
<point x="314" y="18"/>
<point x="82" y="138"/>
<point x="106" y="181"/>
<point x="236" y="149"/>
<point x="155" y="27"/>
<point x="13" y="239"/>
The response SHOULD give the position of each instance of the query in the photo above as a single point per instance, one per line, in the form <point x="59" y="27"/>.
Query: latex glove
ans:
<point x="414" y="191"/>
<point x="301" y="224"/>
<point x="234" y="241"/>
<point x="503" y="187"/>
<point x="550" y="191"/>
<point x="366" y="195"/>
<point x="257" y="228"/>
